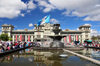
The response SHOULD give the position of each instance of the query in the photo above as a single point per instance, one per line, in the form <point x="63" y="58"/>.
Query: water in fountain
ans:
<point x="56" y="37"/>
<point x="56" y="41"/>
<point x="57" y="44"/>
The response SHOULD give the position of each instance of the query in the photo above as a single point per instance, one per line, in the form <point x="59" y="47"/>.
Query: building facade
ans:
<point x="42" y="32"/>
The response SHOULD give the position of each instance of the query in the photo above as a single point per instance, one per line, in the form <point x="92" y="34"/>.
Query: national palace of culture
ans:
<point x="43" y="31"/>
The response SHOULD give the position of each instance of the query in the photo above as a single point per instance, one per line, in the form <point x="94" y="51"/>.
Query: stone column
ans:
<point x="18" y="37"/>
<point x="25" y="38"/>
<point x="74" y="37"/>
<point x="31" y="38"/>
<point x="69" y="38"/>
<point x="13" y="39"/>
<point x="79" y="38"/>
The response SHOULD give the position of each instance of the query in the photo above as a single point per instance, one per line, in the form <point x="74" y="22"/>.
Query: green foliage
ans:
<point x="4" y="37"/>
<point x="0" y="37"/>
<point x="10" y="39"/>
<point x="94" y="38"/>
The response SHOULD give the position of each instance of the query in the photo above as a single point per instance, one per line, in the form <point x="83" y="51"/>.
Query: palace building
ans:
<point x="42" y="32"/>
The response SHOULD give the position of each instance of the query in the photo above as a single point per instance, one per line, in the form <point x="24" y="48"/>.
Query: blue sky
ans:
<point x="70" y="14"/>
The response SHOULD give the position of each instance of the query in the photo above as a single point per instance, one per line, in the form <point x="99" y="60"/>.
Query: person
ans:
<point x="27" y="44"/>
<point x="8" y="47"/>
<point x="24" y="44"/>
<point x="13" y="46"/>
<point x="0" y="49"/>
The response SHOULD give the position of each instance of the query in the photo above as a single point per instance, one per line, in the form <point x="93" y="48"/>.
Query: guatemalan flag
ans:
<point x="46" y="19"/>
<point x="39" y="22"/>
<point x="43" y="20"/>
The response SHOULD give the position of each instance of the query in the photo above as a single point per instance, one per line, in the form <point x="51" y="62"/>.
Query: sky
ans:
<point x="69" y="13"/>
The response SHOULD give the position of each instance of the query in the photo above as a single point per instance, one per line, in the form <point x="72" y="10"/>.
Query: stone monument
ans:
<point x="56" y="37"/>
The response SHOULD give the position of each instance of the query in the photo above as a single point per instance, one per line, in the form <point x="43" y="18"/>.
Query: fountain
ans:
<point x="57" y="37"/>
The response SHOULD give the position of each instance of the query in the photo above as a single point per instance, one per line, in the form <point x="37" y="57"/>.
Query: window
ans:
<point x="5" y="32"/>
<point x="86" y="36"/>
<point x="38" y="36"/>
<point x="45" y="36"/>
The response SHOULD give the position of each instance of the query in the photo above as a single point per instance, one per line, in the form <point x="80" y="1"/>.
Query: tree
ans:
<point x="4" y="37"/>
<point x="94" y="38"/>
<point x="0" y="37"/>
<point x="10" y="38"/>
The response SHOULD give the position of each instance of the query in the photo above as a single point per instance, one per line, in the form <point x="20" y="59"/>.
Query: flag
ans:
<point x="47" y="20"/>
<point x="43" y="20"/>
<point x="39" y="22"/>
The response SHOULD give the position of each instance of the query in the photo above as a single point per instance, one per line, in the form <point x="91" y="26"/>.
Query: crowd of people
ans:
<point x="6" y="46"/>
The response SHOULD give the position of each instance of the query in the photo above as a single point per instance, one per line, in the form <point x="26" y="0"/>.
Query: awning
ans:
<point x="89" y="40"/>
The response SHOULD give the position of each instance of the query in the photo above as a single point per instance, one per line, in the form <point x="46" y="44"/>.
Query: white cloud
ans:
<point x="89" y="9"/>
<point x="77" y="29"/>
<point x="13" y="8"/>
<point x="94" y="32"/>
<point x="98" y="5"/>
<point x="47" y="10"/>
<point x="79" y="8"/>
<point x="54" y="21"/>
<point x="31" y="5"/>
<point x="82" y="8"/>
<point x="28" y="11"/>
<point x="46" y="6"/>
<point x="93" y="18"/>
<point x="22" y="15"/>
<point x="88" y="24"/>
<point x="15" y="26"/>
<point x="30" y="25"/>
